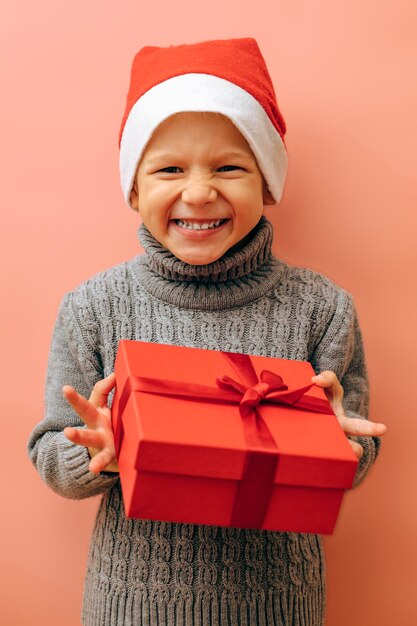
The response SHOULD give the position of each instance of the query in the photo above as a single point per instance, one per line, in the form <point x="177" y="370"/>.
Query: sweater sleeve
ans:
<point x="62" y="464"/>
<point x="341" y="350"/>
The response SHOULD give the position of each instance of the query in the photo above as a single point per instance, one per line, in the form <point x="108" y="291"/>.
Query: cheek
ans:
<point x="150" y="198"/>
<point x="159" y="196"/>
<point x="248" y="193"/>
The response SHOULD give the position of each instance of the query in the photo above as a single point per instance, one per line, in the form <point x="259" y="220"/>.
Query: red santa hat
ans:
<point x="226" y="76"/>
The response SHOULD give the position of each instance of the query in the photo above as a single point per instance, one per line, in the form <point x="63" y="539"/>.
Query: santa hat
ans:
<point x="226" y="76"/>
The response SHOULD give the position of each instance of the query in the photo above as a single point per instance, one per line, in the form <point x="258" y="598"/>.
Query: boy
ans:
<point x="202" y="151"/>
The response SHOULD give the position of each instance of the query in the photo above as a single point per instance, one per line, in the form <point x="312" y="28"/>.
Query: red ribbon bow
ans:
<point x="255" y="488"/>
<point x="252" y="396"/>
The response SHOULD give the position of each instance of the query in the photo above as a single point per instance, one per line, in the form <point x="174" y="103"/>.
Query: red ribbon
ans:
<point x="257" y="483"/>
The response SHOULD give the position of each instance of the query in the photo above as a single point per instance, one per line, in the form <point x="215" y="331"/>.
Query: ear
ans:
<point x="134" y="196"/>
<point x="267" y="196"/>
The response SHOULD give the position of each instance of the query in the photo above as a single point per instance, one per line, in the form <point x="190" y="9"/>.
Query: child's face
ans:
<point x="200" y="189"/>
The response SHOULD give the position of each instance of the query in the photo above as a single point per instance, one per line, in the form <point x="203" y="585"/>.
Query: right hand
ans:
<point x="96" y="415"/>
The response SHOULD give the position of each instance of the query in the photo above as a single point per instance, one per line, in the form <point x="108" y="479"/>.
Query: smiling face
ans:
<point x="198" y="187"/>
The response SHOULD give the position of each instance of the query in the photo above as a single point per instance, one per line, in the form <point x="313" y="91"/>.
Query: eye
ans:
<point x="233" y="167"/>
<point x="169" y="169"/>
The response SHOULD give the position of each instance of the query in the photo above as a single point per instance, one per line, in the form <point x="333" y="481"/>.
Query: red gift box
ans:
<point x="209" y="437"/>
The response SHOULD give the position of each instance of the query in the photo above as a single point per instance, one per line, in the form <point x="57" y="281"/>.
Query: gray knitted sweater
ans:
<point x="148" y="573"/>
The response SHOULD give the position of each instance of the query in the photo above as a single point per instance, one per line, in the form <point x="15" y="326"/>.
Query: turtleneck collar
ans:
<point x="238" y="277"/>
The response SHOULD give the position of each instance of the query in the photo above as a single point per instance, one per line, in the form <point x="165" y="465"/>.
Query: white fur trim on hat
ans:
<point x="203" y="92"/>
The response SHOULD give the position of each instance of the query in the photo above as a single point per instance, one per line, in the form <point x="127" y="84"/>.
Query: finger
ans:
<point x="87" y="411"/>
<point x="330" y="381"/>
<point x="333" y="390"/>
<point x="357" y="448"/>
<point x="85" y="437"/>
<point x="101" y="460"/>
<point x="101" y="390"/>
<point x="362" y="428"/>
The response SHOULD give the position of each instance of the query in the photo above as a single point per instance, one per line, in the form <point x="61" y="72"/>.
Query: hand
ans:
<point x="96" y="415"/>
<point x="350" y="425"/>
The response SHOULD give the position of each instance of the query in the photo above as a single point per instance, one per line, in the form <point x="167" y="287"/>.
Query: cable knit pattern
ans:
<point x="151" y="573"/>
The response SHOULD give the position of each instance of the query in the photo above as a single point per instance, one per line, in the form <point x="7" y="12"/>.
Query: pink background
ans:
<point x="345" y="79"/>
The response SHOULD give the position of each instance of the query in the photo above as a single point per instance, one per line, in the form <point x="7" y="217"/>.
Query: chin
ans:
<point x="194" y="259"/>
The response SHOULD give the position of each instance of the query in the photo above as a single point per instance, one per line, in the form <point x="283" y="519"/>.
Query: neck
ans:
<point x="254" y="250"/>
<point x="239" y="276"/>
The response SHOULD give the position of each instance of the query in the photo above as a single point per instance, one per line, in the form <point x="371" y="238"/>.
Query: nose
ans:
<point x="198" y="193"/>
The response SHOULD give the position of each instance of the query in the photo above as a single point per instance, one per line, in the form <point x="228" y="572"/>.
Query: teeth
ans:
<point x="195" y="226"/>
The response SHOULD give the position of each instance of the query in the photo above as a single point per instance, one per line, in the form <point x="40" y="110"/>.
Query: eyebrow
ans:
<point x="159" y="156"/>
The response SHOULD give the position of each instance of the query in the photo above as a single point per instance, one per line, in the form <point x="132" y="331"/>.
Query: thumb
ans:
<point x="333" y="390"/>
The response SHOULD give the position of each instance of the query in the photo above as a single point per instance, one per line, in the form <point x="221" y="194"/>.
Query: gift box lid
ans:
<point x="199" y="438"/>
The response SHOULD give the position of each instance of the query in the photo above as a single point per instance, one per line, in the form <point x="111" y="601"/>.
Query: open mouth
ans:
<point x="209" y="225"/>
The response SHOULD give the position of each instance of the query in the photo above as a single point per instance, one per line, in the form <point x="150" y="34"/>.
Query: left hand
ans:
<point x="350" y="425"/>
